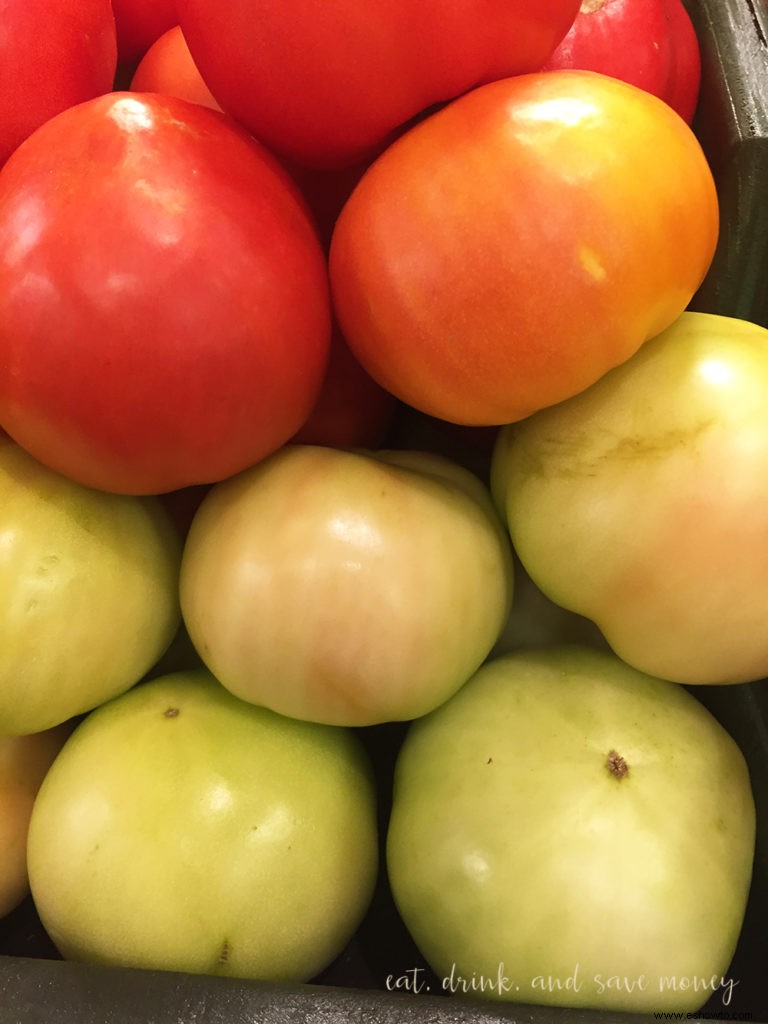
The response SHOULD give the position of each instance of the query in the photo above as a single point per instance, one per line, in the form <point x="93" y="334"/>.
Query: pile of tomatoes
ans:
<point x="247" y="252"/>
<point x="504" y="254"/>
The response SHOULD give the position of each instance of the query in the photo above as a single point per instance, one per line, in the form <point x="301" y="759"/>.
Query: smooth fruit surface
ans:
<point x="642" y="503"/>
<point x="346" y="587"/>
<point x="510" y="249"/>
<point x="328" y="84"/>
<point x="53" y="55"/>
<point x="568" y="831"/>
<point x="187" y="340"/>
<point x="88" y="592"/>
<point x="650" y="43"/>
<point x="182" y="829"/>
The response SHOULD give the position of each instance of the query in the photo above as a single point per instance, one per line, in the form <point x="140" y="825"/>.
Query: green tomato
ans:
<point x="88" y="592"/>
<point x="183" y="829"/>
<point x="642" y="503"/>
<point x="344" y="587"/>
<point x="569" y="831"/>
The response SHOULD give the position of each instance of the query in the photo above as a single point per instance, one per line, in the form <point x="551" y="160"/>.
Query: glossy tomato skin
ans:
<point x="641" y="503"/>
<point x="557" y="797"/>
<point x="685" y="85"/>
<point x="167" y="67"/>
<point x="52" y="55"/>
<point x="182" y="829"/>
<point x="88" y="589"/>
<point x="511" y="248"/>
<point x="353" y="588"/>
<point x="327" y="84"/>
<point x="164" y="307"/>
<point x="649" y="43"/>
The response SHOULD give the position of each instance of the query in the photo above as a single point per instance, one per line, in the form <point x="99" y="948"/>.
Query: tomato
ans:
<point x="352" y="410"/>
<point x="88" y="589"/>
<point x="685" y="79"/>
<point x="651" y="44"/>
<point x="139" y="24"/>
<point x="52" y="56"/>
<point x="182" y="829"/>
<point x="327" y="84"/>
<point x="24" y="762"/>
<point x="642" y="503"/>
<point x="568" y="831"/>
<point x="510" y="249"/>
<point x="352" y="588"/>
<point x="187" y="341"/>
<point x="167" y="67"/>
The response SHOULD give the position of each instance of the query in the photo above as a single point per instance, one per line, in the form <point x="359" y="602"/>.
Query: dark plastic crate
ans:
<point x="37" y="987"/>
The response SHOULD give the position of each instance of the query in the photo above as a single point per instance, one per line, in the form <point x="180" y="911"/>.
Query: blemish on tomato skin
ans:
<point x="616" y="765"/>
<point x="171" y="713"/>
<point x="591" y="263"/>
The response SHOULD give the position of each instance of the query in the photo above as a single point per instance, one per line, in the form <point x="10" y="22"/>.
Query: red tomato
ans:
<point x="52" y="55"/>
<point x="352" y="411"/>
<point x="511" y="248"/>
<point x="685" y="80"/>
<point x="167" y="67"/>
<point x="164" y="306"/>
<point x="139" y="24"/>
<point x="650" y="43"/>
<point x="328" y="83"/>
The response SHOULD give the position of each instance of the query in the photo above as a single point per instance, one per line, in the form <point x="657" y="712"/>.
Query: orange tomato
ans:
<point x="507" y="251"/>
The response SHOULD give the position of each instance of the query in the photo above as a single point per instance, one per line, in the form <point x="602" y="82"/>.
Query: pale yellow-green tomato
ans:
<point x="569" y="831"/>
<point x="642" y="503"/>
<point x="351" y="588"/>
<point x="184" y="829"/>
<point x="88" y="592"/>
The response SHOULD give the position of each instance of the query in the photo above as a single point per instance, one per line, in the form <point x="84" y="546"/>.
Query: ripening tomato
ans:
<point x="164" y="307"/>
<point x="650" y="43"/>
<point x="511" y="248"/>
<point x="328" y="83"/>
<point x="167" y="67"/>
<point x="642" y="503"/>
<point x="52" y="55"/>
<point x="346" y="587"/>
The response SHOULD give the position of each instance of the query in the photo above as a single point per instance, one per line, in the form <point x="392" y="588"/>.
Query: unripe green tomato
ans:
<point x="569" y="831"/>
<point x="88" y="592"/>
<point x="183" y="829"/>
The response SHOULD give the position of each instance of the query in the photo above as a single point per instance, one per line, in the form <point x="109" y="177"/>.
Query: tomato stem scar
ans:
<point x="616" y="765"/>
